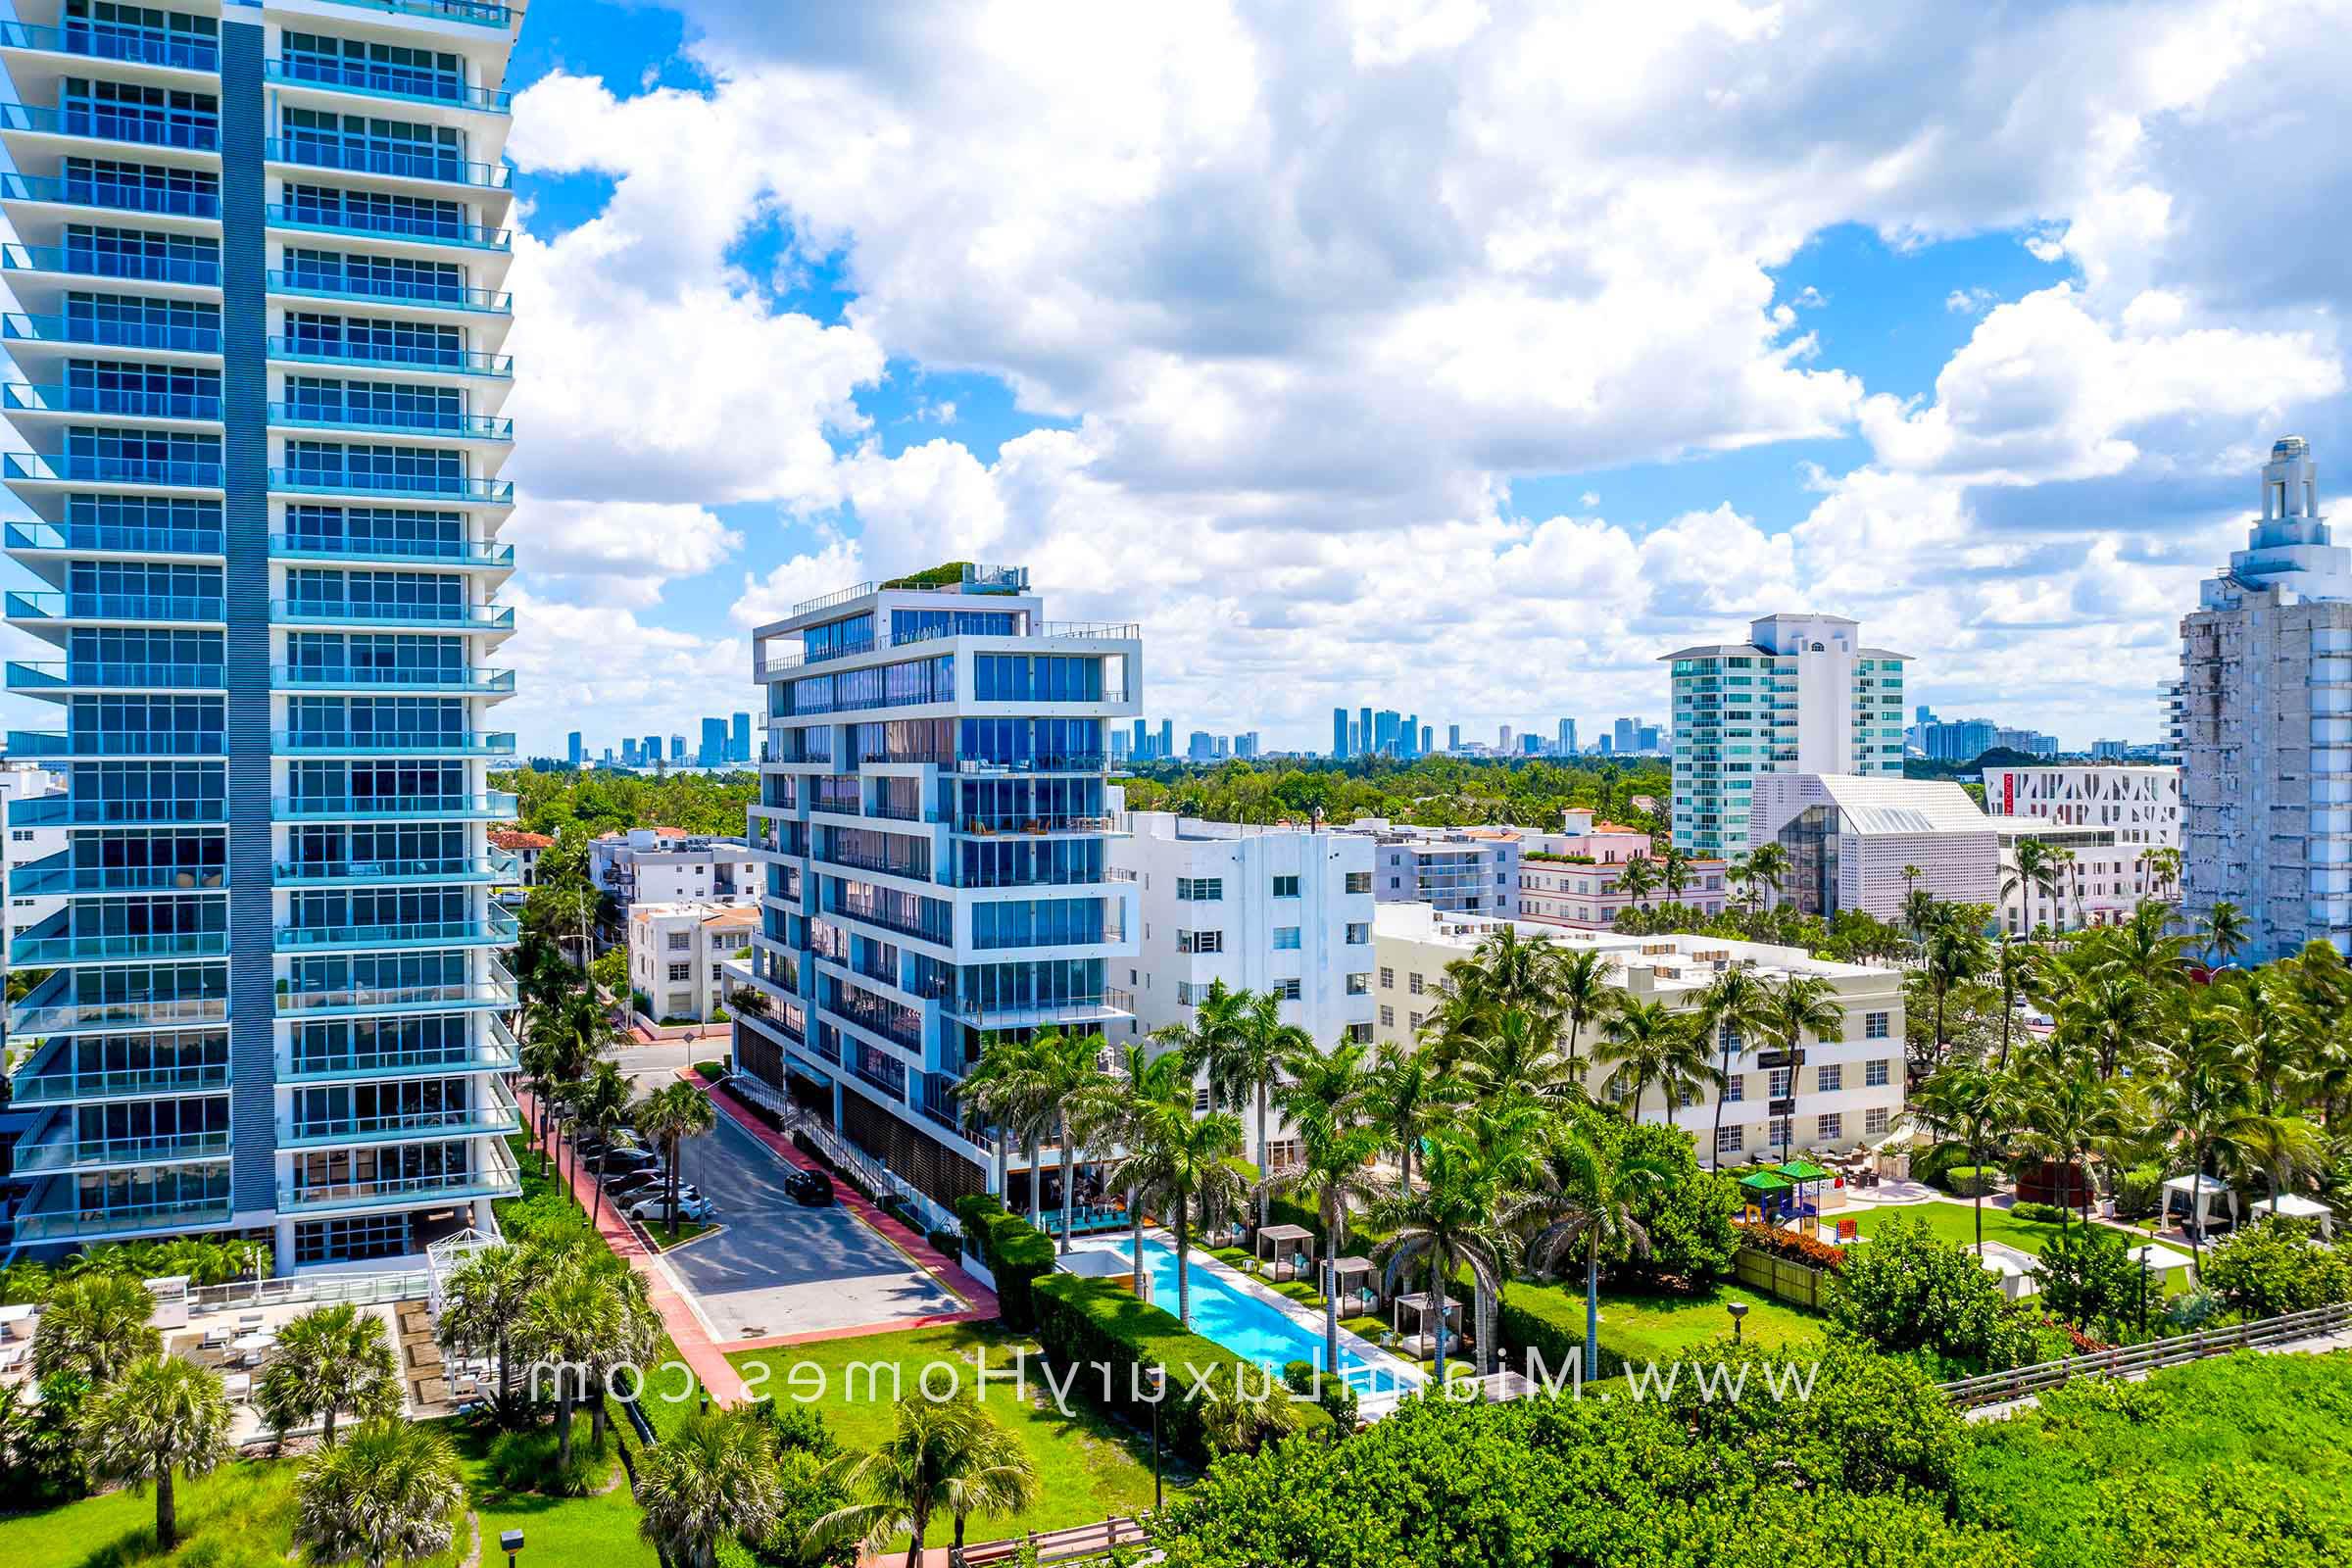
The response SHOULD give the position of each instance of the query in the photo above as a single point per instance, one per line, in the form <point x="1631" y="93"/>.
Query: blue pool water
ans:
<point x="1251" y="1329"/>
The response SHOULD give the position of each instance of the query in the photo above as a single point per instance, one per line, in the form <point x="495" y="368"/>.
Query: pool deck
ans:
<point x="1406" y="1375"/>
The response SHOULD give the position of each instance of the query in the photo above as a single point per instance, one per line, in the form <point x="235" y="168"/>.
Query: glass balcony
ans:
<point x="86" y="1153"/>
<point x="497" y="1054"/>
<point x="116" y="196"/>
<point x="498" y="930"/>
<point x="436" y="551"/>
<point x="104" y="122"/>
<point x="386" y="81"/>
<point x="45" y="1012"/>
<point x="361" y="873"/>
<point x="126" y="1219"/>
<point x="125" y="539"/>
<point x="57" y="873"/>
<point x="37" y="467"/>
<point x="166" y="336"/>
<point x="48" y="1086"/>
<point x="36" y="948"/>
<point x="129" y="267"/>
<point x="477" y="682"/>
<point x="342" y="613"/>
<point x="457" y="488"/>
<point x="345" y="1001"/>
<point x="494" y="1175"/>
<point x="393" y="743"/>
<point x="53" y="605"/>
<point x="478" y="12"/>
<point x="497" y="1113"/>
<point x="495" y="807"/>
<point x="178" y="51"/>
<point x="423" y="229"/>
<point x="117" y="743"/>
<point x="414" y="357"/>
<point x="123" y="402"/>
<point x="53" y="675"/>
<point x="66" y="810"/>
<point x="419" y="421"/>
<point x="396" y="292"/>
<point x="393" y="160"/>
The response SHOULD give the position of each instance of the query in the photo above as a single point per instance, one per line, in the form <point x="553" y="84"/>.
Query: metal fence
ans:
<point x="1995" y="1388"/>
<point x="364" y="1290"/>
<point x="847" y="1157"/>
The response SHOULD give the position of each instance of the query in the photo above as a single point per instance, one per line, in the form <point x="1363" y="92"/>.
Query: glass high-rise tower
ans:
<point x="932" y="824"/>
<point x="257" y="384"/>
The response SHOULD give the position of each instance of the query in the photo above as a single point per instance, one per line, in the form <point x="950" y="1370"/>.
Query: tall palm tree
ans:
<point x="713" y="1480"/>
<point x="1673" y="873"/>
<point x="2064" y="1114"/>
<point x="602" y="1104"/>
<point x="984" y="1096"/>
<point x="1326" y="1088"/>
<point x="1581" y="991"/>
<point x="1802" y="1005"/>
<point x="2208" y="1094"/>
<point x="1180" y="1164"/>
<point x="2117" y="1017"/>
<point x="571" y="1322"/>
<point x="96" y="1325"/>
<point x="1651" y="1043"/>
<point x="2017" y="966"/>
<point x="1964" y="1103"/>
<point x="939" y="1454"/>
<point x="482" y="1303"/>
<point x="1407" y="1099"/>
<point x="1001" y="1481"/>
<point x="1458" y="1218"/>
<point x="1735" y="1009"/>
<point x="1955" y="954"/>
<point x="1082" y="1093"/>
<point x="2226" y="931"/>
<point x="329" y="1360"/>
<point x="669" y="1116"/>
<point x="1515" y="1058"/>
<point x="2036" y="868"/>
<point x="1639" y="880"/>
<point x="1768" y="867"/>
<point x="390" y="1494"/>
<point x="1153" y="1088"/>
<point x="1335" y="1176"/>
<point x="1588" y="1200"/>
<point x="161" y="1416"/>
<point x="1245" y="1061"/>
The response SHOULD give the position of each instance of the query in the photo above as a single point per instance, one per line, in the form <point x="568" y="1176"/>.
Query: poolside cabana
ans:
<point x="1294" y="1245"/>
<point x="2294" y="1205"/>
<point x="1425" y="1310"/>
<point x="2199" y="1202"/>
<point x="1355" y="1282"/>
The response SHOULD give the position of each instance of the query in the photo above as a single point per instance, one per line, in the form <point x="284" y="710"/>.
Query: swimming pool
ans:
<point x="1250" y="1328"/>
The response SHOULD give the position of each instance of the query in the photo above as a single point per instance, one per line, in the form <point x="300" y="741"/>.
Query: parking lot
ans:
<point x="774" y="1267"/>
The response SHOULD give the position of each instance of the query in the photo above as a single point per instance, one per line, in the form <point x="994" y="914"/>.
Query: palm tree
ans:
<point x="1768" y="867"/>
<point x="941" y="1455"/>
<point x="1000" y="1482"/>
<point x="1588" y="1200"/>
<point x="2210" y="1097"/>
<point x="714" y="1479"/>
<point x="1966" y="1105"/>
<point x="2163" y="865"/>
<point x="1071" y="1079"/>
<point x="1459" y="1218"/>
<point x="1236" y="1419"/>
<point x="1244" y="1058"/>
<point x="1181" y="1163"/>
<point x="160" y="1416"/>
<point x="1956" y="954"/>
<point x="1735" y="1009"/>
<point x="1673" y="873"/>
<point x="1335" y="1176"/>
<point x="1639" y="880"/>
<point x="1407" y="1099"/>
<point x="2064" y="1114"/>
<point x="569" y="1325"/>
<point x="669" y="1116"/>
<point x="1581" y="991"/>
<point x="985" y="1095"/>
<point x="391" y="1494"/>
<point x="2037" y="869"/>
<point x="1152" y="1089"/>
<point x="2226" y="930"/>
<point x="1326" y="1088"/>
<point x="2018" y="967"/>
<point x="482" y="1303"/>
<point x="1514" y="1058"/>
<point x="602" y="1104"/>
<point x="96" y="1325"/>
<point x="1654" y="1044"/>
<point x="1802" y="1005"/>
<point x="329" y="1359"/>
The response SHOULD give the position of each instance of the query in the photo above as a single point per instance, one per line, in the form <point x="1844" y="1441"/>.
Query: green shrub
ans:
<point x="2089" y="1277"/>
<point x="1909" y="1291"/>
<point x="712" y="1072"/>
<point x="797" y="1428"/>
<point x="525" y="1461"/>
<point x="1689" y="1217"/>
<point x="1971" y="1180"/>
<point x="946" y="1244"/>
<point x="2271" y="1267"/>
<point x="2040" y="1213"/>
<point x="812" y="1489"/>
<point x="2139" y="1193"/>
<point x="1015" y="1251"/>
<point x="1085" y="1323"/>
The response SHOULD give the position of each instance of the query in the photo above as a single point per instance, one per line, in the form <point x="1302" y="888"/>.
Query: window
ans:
<point x="1415" y="1020"/>
<point x="681" y="971"/>
<point x="1874" y="1073"/>
<point x="1874" y="1025"/>
<point x="1829" y="1127"/>
<point x="1778" y="1082"/>
<point x="1730" y="1140"/>
<point x="1735" y="1088"/>
<point x="1828" y="1080"/>
<point x="1289" y="990"/>
<point x="1199" y="888"/>
<point x="1189" y="994"/>
<point x="1286" y="887"/>
<point x="1387" y="1016"/>
<point x="680" y="941"/>
<point x="1359" y="881"/>
<point x="1360" y="985"/>
<point x="1358" y="1034"/>
<point x="1359" y="933"/>
<point x="1285" y="939"/>
<point x="1198" y="941"/>
<point x="1200" y="1101"/>
<point x="1874" y="1121"/>
<point x="1413" y="982"/>
<point x="1388" y="978"/>
<point x="1690" y="1097"/>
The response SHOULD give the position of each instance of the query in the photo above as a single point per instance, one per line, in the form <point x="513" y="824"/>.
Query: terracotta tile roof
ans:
<point x="511" y="837"/>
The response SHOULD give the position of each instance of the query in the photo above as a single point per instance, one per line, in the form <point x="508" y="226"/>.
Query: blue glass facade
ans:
<point x="259" y="261"/>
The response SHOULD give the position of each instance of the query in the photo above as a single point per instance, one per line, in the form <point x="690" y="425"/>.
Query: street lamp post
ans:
<point x="1738" y="1314"/>
<point x="511" y="1542"/>
<point x="1158" y="1378"/>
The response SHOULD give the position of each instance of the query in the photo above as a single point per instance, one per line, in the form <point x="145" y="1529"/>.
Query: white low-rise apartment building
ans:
<point x="1470" y="869"/>
<point x="2109" y="818"/>
<point x="1843" y="1094"/>
<point x="2100" y="881"/>
<point x="675" y="953"/>
<point x="666" y="864"/>
<point x="2140" y="802"/>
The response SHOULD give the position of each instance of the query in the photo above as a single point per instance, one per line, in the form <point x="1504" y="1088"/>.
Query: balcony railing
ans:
<point x="498" y="930"/>
<point x="398" y="290"/>
<point x="328" y="873"/>
<point x="35" y="1017"/>
<point x="323" y="1067"/>
<point x="422" y="229"/>
<point x="181" y="51"/>
<point x="414" y="422"/>
<point x="990" y="823"/>
<point x="67" y="811"/>
<point x="1112" y="1003"/>
<point x="384" y="82"/>
<point x="495" y="1176"/>
<point x="495" y="807"/>
<point x="117" y="743"/>
<point x="406" y="357"/>
<point x="124" y="539"/>
<point x="40" y="467"/>
<point x="456" y="487"/>
<point x="483" y="682"/>
<point x="168" y="337"/>
<point x="83" y="1154"/>
<point x="132" y="402"/>
<point x="439" y="552"/>
<point x="390" y="160"/>
<point x="57" y="675"/>
<point x="479" y="13"/>
<point x="496" y="1114"/>
<point x="37" y="950"/>
<point x="393" y="743"/>
<point x="57" y="873"/>
<point x="68" y="1224"/>
<point x="116" y="196"/>
<point x="102" y="123"/>
<point x="447" y="616"/>
<point x="130" y="267"/>
<point x="53" y="605"/>
<point x="394" y="999"/>
<point x="44" y="1088"/>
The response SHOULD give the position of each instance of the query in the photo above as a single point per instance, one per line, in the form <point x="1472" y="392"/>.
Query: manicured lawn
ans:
<point x="1661" y="1328"/>
<point x="1956" y="1222"/>
<point x="599" y="1531"/>
<point x="1091" y="1467"/>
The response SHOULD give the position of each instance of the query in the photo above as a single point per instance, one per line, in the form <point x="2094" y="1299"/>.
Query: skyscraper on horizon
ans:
<point x="1339" y="734"/>
<point x="739" y="749"/>
<point x="579" y="752"/>
<point x="1567" y="736"/>
<point x="260" y="257"/>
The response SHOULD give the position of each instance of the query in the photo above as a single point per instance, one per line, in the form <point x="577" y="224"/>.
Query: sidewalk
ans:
<point x="694" y="1348"/>
<point x="979" y="1301"/>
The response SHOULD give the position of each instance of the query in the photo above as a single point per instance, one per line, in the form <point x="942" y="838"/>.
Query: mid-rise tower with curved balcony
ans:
<point x="257" y="327"/>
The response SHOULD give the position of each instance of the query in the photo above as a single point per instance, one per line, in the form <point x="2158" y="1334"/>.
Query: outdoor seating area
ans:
<point x="1429" y="1315"/>
<point x="1288" y="1252"/>
<point x="1355" y="1282"/>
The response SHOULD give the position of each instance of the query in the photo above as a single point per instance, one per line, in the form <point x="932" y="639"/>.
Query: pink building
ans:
<point x="1571" y="877"/>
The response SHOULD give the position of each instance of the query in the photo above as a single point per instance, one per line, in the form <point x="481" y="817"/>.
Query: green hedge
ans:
<point x="1089" y="1324"/>
<point x="1548" y="1320"/>
<point x="1971" y="1180"/>
<point x="1015" y="1251"/>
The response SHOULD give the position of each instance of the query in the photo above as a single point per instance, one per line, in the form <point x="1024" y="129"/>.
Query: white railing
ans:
<point x="360" y="1289"/>
<point x="1996" y="1388"/>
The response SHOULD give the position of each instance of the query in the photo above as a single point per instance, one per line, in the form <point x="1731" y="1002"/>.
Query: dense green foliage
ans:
<point x="593" y="802"/>
<point x="1908" y="1291"/>
<point x="1687" y="1217"/>
<point x="1434" y="791"/>
<point x="1016" y="1253"/>
<point x="2273" y="1266"/>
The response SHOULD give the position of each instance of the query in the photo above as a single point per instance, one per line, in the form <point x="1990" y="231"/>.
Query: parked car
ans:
<point x="656" y="1205"/>
<point x="812" y="1189"/>
<point x="627" y="1162"/>
<point x="636" y="1184"/>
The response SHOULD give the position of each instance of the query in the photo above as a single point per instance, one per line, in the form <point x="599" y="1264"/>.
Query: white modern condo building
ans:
<point x="1801" y="696"/>
<point x="932" y="836"/>
<point x="256" y="397"/>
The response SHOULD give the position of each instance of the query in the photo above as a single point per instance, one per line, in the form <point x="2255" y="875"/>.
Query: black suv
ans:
<point x="809" y="1188"/>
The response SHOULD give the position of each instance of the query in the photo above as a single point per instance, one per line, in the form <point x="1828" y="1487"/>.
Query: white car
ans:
<point x="691" y="1205"/>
